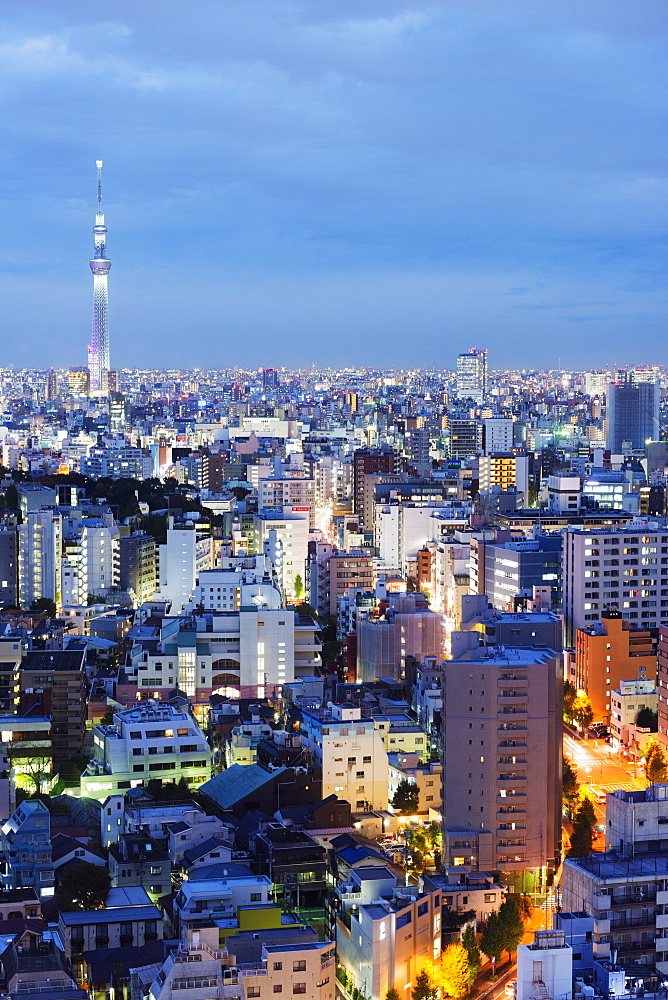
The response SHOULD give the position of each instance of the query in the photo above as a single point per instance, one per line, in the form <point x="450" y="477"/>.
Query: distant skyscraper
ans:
<point x="98" y="351"/>
<point x="632" y="414"/>
<point x="472" y="375"/>
<point x="269" y="378"/>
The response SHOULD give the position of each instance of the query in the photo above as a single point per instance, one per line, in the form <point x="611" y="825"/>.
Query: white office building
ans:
<point x="149" y="741"/>
<point x="184" y="556"/>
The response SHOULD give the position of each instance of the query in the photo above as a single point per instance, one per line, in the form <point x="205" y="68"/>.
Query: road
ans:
<point x="602" y="769"/>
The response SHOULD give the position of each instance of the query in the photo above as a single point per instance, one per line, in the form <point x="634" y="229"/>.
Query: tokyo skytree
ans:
<point x="98" y="351"/>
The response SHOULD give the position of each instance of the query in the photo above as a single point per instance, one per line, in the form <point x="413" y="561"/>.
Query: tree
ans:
<point x="31" y="761"/>
<point x="492" y="939"/>
<point x="299" y="586"/>
<point x="44" y="604"/>
<point x="511" y="916"/>
<point x="582" y="840"/>
<point x="656" y="764"/>
<point x="647" y="719"/>
<point x="392" y="994"/>
<point x="570" y="695"/>
<point x="583" y="713"/>
<point x="424" y="988"/>
<point x="83" y="886"/>
<point x="470" y="942"/>
<point x="169" y="791"/>
<point x="454" y="974"/>
<point x="571" y="786"/>
<point x="405" y="799"/>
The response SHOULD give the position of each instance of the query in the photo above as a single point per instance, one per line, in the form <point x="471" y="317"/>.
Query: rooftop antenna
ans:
<point x="98" y="164"/>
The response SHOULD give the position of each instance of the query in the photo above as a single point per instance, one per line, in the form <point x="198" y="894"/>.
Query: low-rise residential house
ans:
<point x="205" y="899"/>
<point x="149" y="741"/>
<point x="294" y="862"/>
<point x="68" y="850"/>
<point x="19" y="904"/>
<point x="625" y="703"/>
<point x="463" y="891"/>
<point x="25" y="850"/>
<point x="194" y="829"/>
<point x="128" y="920"/>
<point x="304" y="969"/>
<point x="137" y="859"/>
<point x="208" y="852"/>
<point x="383" y="943"/>
<point x="402" y="734"/>
<point x="427" y="777"/>
<point x="33" y="963"/>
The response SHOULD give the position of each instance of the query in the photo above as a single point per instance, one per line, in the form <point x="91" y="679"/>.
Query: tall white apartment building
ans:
<point x="497" y="434"/>
<point x="183" y="557"/>
<point x="150" y="741"/>
<point x="283" y="537"/>
<point x="91" y="555"/>
<point x="351" y="753"/>
<point x="288" y="492"/>
<point x="626" y="569"/>
<point x="40" y="556"/>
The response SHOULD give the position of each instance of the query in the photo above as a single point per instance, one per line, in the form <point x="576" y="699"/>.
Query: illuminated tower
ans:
<point x="98" y="351"/>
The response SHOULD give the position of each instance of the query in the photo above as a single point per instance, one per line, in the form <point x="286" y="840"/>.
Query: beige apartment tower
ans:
<point x="502" y="711"/>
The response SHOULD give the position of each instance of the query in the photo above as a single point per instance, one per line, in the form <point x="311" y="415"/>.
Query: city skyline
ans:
<point x="417" y="175"/>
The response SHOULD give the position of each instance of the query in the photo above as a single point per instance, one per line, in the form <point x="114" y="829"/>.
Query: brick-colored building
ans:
<point x="608" y="652"/>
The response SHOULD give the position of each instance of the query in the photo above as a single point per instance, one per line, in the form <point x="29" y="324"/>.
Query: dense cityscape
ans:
<point x="335" y="681"/>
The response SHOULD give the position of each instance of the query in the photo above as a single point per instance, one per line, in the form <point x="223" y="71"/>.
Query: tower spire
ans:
<point x="98" y="352"/>
<point x="98" y="164"/>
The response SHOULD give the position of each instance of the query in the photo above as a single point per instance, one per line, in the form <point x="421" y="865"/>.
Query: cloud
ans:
<point x="335" y="146"/>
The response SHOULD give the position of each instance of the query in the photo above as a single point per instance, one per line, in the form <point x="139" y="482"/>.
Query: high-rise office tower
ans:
<point x="269" y="378"/>
<point x="51" y="384"/>
<point x="98" y="351"/>
<point x="632" y="414"/>
<point x="472" y="374"/>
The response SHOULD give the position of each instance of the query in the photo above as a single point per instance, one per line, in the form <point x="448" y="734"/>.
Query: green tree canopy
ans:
<point x="83" y="886"/>
<point x="582" y="840"/>
<point x="511" y="915"/>
<point x="492" y="939"/>
<point x="44" y="604"/>
<point x="570" y="785"/>
<point x="405" y="799"/>
<point x="470" y="942"/>
<point x="392" y="994"/>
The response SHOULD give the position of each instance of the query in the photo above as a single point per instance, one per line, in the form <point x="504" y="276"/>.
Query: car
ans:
<point x="510" y="989"/>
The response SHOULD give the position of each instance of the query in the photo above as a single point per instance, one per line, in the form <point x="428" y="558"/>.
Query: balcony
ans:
<point x="638" y="898"/>
<point x="648" y="920"/>
<point x="661" y="920"/>
<point x="625" y="947"/>
<point x="662" y="897"/>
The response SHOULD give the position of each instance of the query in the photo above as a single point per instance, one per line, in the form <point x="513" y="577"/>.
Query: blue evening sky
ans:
<point x="336" y="181"/>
